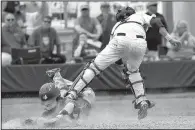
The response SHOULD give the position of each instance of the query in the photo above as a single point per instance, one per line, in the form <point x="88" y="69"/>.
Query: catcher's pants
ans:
<point x="131" y="50"/>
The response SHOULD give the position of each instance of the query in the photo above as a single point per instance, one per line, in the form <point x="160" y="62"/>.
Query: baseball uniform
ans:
<point x="127" y="42"/>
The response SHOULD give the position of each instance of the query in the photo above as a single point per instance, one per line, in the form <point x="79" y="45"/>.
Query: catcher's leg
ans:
<point x="106" y="57"/>
<point x="137" y="52"/>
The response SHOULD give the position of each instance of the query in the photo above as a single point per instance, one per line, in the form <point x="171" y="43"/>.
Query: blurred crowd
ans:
<point x="16" y="19"/>
<point x="92" y="34"/>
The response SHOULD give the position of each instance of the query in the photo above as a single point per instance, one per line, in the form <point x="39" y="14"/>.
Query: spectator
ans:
<point x="88" y="31"/>
<point x="23" y="27"/>
<point x="6" y="57"/>
<point x="14" y="8"/>
<point x="182" y="33"/>
<point x="117" y="6"/>
<point x="12" y="37"/>
<point x="34" y="19"/>
<point x="107" y="20"/>
<point x="153" y="37"/>
<point x="46" y="37"/>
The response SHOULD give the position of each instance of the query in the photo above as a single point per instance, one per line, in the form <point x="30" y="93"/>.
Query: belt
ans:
<point x="124" y="34"/>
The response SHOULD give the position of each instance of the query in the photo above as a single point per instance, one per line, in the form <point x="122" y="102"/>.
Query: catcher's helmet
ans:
<point x="48" y="91"/>
<point x="122" y="14"/>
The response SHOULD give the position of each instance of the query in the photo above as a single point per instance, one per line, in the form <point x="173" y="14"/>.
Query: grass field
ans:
<point x="173" y="110"/>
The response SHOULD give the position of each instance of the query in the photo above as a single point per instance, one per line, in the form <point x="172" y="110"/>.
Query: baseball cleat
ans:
<point x="150" y="104"/>
<point x="142" y="113"/>
<point x="52" y="72"/>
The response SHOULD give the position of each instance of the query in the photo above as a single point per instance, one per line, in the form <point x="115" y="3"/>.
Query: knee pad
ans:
<point x="90" y="71"/>
<point x="135" y="77"/>
<point x="94" y="68"/>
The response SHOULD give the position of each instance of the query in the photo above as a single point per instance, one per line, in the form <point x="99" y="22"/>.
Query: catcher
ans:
<point x="53" y="99"/>
<point x="128" y="43"/>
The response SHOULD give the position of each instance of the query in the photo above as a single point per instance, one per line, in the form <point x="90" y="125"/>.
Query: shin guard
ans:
<point x="137" y="87"/>
<point x="84" y="78"/>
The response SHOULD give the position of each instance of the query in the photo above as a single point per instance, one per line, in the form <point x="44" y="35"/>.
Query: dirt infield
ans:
<point x="176" y="110"/>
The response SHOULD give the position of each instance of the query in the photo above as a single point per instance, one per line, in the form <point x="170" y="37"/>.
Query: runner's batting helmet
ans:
<point x="48" y="91"/>
<point x="122" y="14"/>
